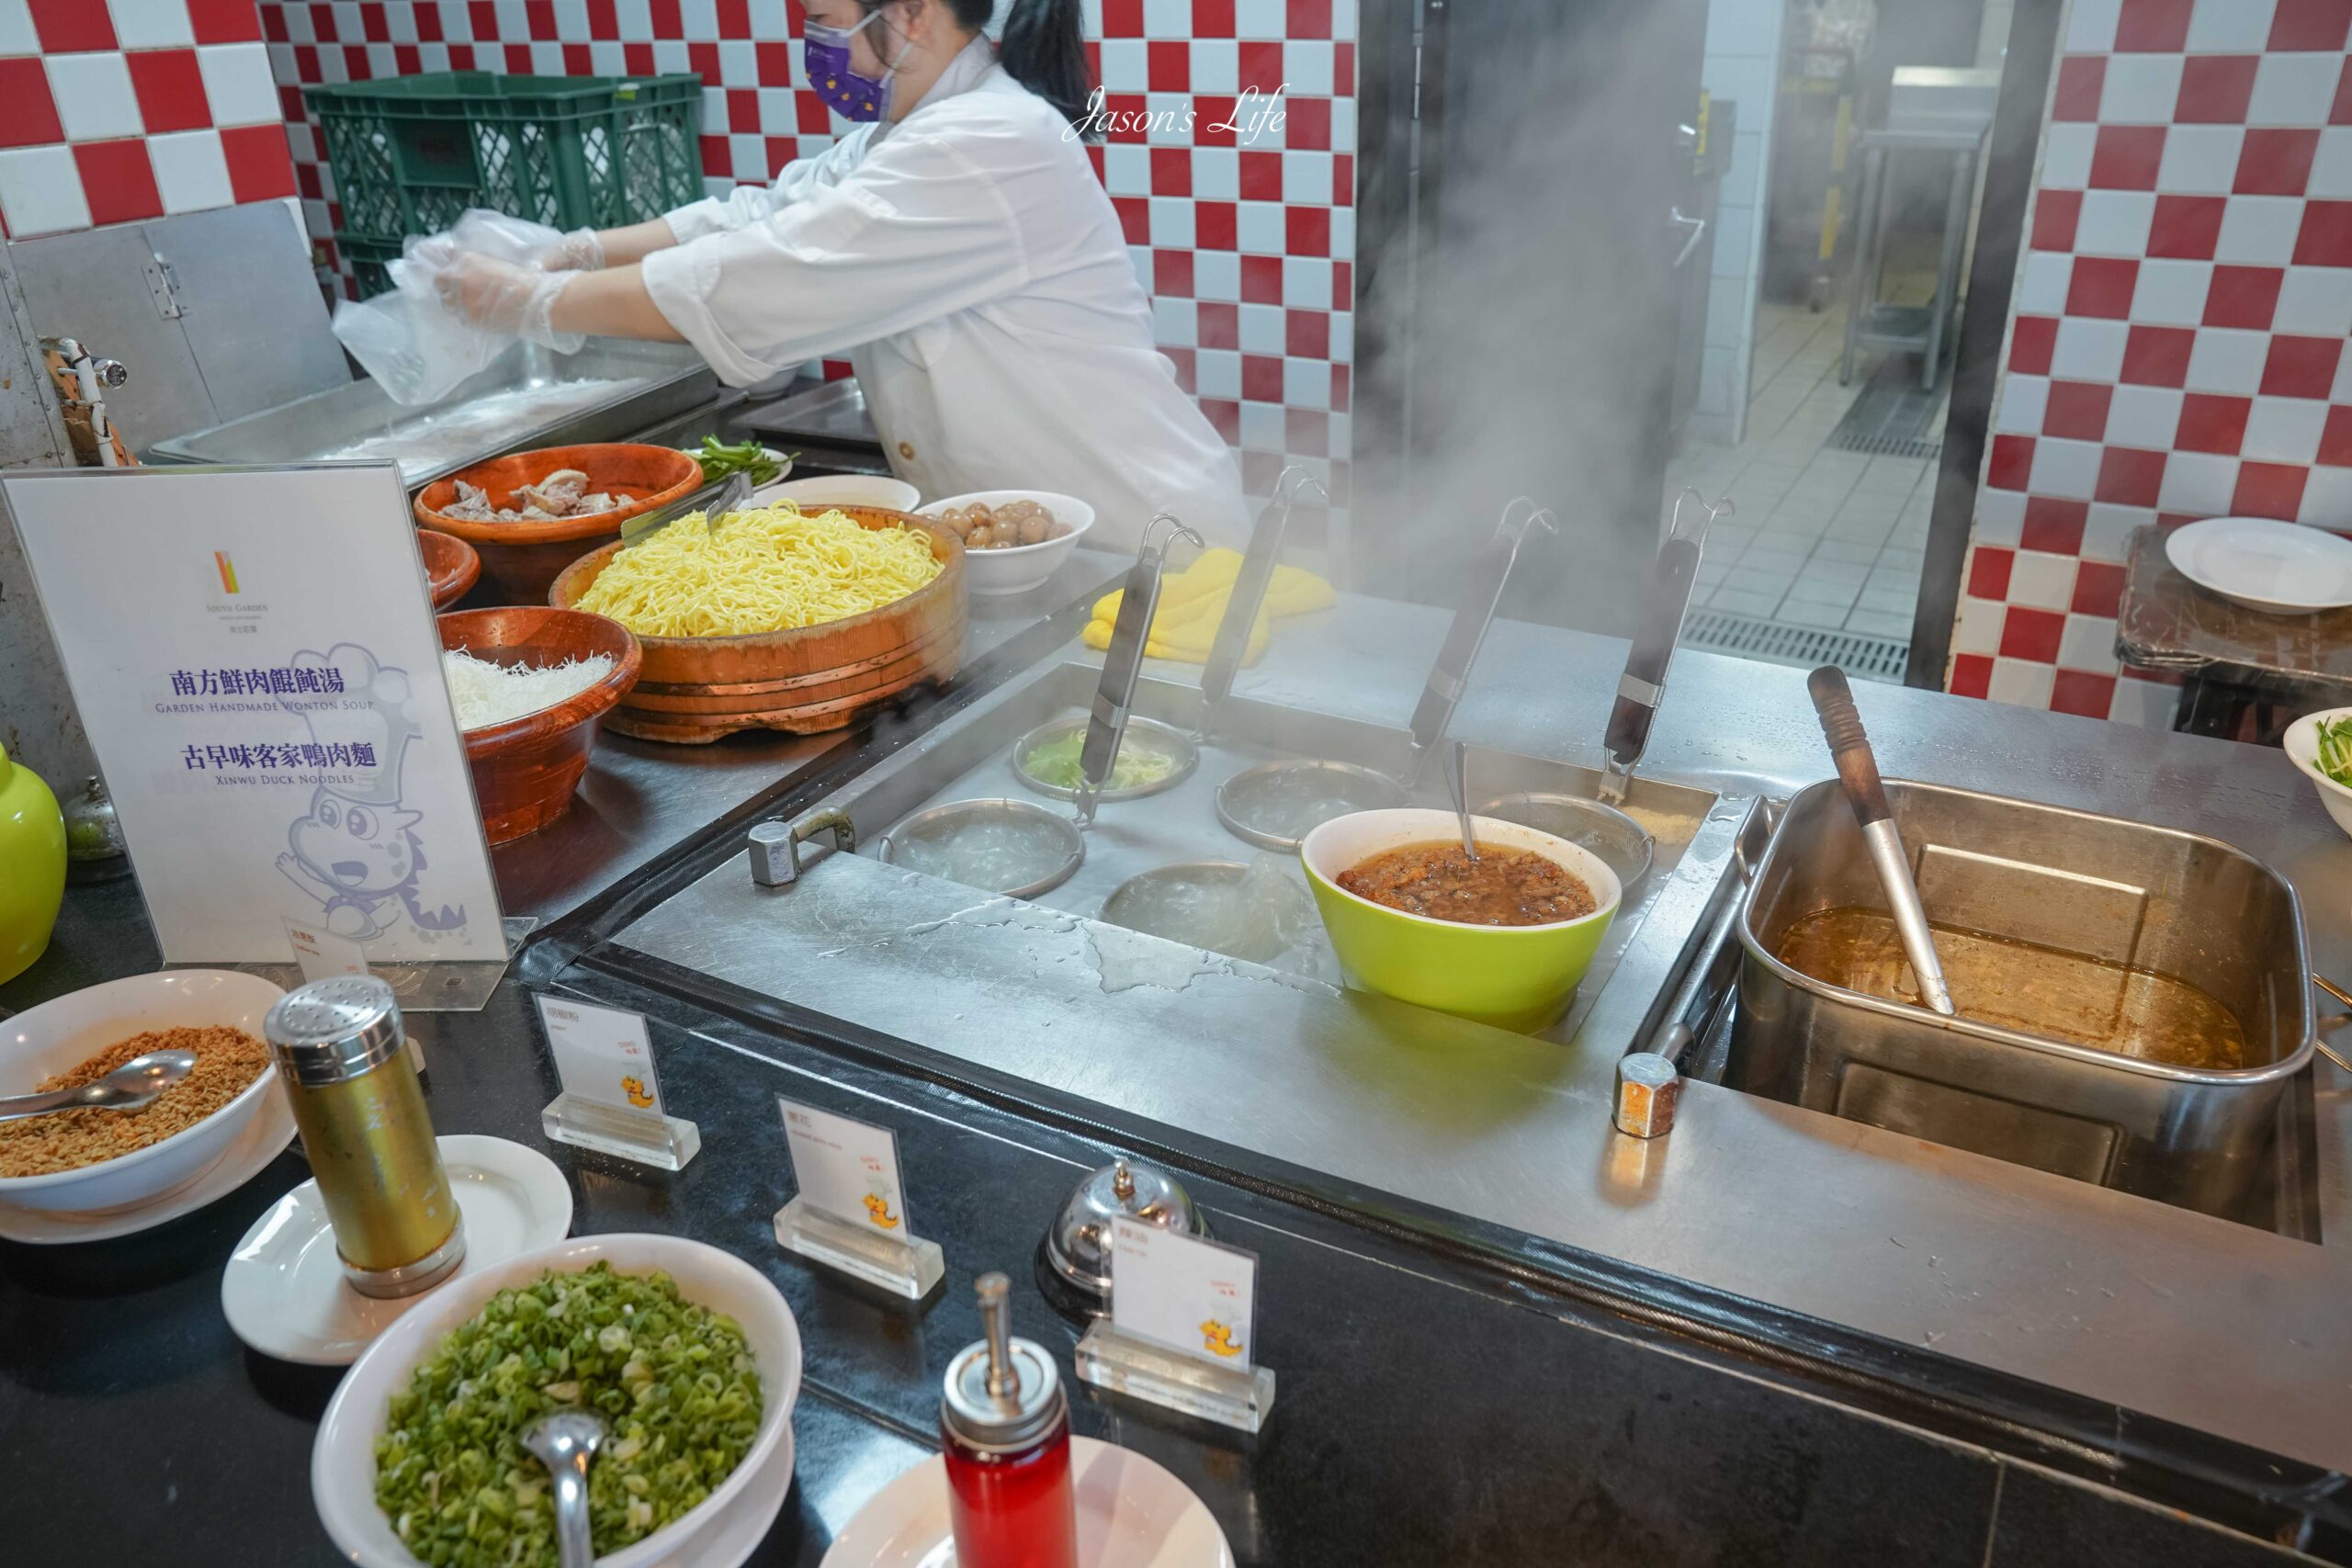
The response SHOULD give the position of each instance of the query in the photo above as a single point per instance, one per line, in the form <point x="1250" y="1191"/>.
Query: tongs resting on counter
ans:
<point x="1106" y="726"/>
<point x="1642" y="687"/>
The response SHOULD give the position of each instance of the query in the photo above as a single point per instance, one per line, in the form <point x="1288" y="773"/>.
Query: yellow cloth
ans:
<point x="1191" y="602"/>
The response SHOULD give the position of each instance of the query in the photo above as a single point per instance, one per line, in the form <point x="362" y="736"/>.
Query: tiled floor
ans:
<point x="1824" y="538"/>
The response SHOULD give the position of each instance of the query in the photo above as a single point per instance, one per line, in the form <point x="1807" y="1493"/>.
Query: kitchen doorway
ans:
<point x="1846" y="250"/>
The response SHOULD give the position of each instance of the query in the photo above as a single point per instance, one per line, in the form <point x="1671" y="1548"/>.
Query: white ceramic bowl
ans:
<point x="1020" y="567"/>
<point x="342" y="1459"/>
<point x="783" y="460"/>
<point x="2302" y="744"/>
<point x="59" y="1033"/>
<point x="842" y="490"/>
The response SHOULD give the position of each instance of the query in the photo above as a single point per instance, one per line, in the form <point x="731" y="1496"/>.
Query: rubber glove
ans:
<point x="504" y="296"/>
<point x="578" y="251"/>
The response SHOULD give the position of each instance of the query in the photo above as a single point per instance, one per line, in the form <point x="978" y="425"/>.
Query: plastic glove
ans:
<point x="579" y="251"/>
<point x="503" y="297"/>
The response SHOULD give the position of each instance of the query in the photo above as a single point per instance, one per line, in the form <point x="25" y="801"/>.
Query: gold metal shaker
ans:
<point x="340" y="1048"/>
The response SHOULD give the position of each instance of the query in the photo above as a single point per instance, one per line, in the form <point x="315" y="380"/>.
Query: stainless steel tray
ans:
<point x="531" y="400"/>
<point x="2149" y="898"/>
<point x="972" y="757"/>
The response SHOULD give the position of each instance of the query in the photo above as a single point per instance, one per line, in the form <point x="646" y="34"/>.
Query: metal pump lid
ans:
<point x="1001" y="1393"/>
<point x="334" y="1029"/>
<point x="1079" y="1247"/>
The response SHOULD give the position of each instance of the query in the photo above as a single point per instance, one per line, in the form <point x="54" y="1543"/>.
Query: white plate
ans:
<point x="842" y="490"/>
<point x="1131" y="1514"/>
<point x="284" y="1293"/>
<point x="262" y="1140"/>
<point x="2286" y="569"/>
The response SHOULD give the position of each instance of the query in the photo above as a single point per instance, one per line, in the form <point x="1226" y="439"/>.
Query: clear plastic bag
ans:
<point x="417" y="350"/>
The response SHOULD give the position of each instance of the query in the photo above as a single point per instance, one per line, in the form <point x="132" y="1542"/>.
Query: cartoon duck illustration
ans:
<point x="1217" y="1340"/>
<point x="877" y="1209"/>
<point x="634" y="1088"/>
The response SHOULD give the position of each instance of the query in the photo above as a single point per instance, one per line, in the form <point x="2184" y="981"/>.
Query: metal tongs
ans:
<point x="1642" y="687"/>
<point x="1106" y="727"/>
<point x="715" y="500"/>
<point x="1249" y="585"/>
<point x="1449" y="676"/>
<point x="1849" y="748"/>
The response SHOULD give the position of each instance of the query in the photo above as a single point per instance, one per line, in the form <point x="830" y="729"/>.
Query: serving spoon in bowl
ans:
<point x="565" y="1441"/>
<point x="1457" y="779"/>
<point x="129" y="1086"/>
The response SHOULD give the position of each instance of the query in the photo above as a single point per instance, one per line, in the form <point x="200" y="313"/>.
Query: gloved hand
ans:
<point x="503" y="297"/>
<point x="579" y="251"/>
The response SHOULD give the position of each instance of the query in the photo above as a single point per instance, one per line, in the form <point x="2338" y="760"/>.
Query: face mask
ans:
<point x="825" y="52"/>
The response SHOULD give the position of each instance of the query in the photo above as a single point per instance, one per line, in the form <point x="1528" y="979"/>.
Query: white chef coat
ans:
<point x="970" y="264"/>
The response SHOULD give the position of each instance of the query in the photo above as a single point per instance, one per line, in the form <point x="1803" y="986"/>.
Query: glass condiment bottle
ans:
<point x="342" y="1052"/>
<point x="1004" y="1420"/>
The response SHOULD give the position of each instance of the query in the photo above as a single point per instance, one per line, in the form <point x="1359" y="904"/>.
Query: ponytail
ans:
<point x="1043" y="49"/>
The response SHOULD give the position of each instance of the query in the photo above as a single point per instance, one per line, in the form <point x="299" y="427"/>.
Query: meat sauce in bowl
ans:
<point x="1501" y="888"/>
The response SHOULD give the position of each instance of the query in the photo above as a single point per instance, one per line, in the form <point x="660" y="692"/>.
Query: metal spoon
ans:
<point x="565" y="1441"/>
<point x="1457" y="780"/>
<point x="127" y="1087"/>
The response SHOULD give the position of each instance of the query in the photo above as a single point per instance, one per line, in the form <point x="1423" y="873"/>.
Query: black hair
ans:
<point x="1043" y="48"/>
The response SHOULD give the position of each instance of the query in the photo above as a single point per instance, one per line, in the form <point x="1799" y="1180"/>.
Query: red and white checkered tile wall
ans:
<point x="2177" y="344"/>
<point x="1241" y="226"/>
<point x="112" y="111"/>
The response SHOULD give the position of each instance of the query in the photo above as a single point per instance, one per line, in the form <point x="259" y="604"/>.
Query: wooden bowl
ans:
<point x="525" y="769"/>
<point x="803" y="681"/>
<point x="451" y="566"/>
<point x="520" y="560"/>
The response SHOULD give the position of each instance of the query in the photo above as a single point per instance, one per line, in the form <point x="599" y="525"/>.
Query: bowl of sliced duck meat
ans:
<point x="530" y="514"/>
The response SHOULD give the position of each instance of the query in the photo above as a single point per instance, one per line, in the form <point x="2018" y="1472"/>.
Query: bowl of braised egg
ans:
<point x="1014" y="539"/>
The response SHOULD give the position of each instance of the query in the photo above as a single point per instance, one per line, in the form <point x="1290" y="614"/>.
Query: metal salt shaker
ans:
<point x="340" y="1050"/>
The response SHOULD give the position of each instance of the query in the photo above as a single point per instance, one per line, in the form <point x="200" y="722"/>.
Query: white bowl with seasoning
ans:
<point x="1016" y="569"/>
<point x="2301" y="745"/>
<point x="67" y="1030"/>
<point x="342" y="1458"/>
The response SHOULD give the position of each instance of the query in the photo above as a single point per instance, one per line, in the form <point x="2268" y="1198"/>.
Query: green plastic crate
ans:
<point x="410" y="154"/>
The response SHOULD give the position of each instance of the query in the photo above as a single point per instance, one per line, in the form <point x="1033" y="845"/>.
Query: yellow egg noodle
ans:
<point x="770" y="568"/>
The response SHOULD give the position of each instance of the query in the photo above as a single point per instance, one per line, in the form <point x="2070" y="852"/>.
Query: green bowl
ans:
<point x="1515" y="977"/>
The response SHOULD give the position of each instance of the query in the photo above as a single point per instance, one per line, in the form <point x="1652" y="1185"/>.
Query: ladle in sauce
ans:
<point x="1457" y="779"/>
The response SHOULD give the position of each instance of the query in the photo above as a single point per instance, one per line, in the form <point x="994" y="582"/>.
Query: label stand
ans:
<point x="463" y="987"/>
<point x="907" y="1268"/>
<point x="1231" y="1396"/>
<point x="667" y="1143"/>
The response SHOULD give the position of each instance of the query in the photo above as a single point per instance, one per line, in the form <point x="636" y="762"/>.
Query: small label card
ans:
<point x="611" y="1099"/>
<point x="602" y="1054"/>
<point x="850" y="1212"/>
<point x="1182" y="1330"/>
<point x="1186" y="1293"/>
<point x="849" y="1169"/>
<point x="321" y="954"/>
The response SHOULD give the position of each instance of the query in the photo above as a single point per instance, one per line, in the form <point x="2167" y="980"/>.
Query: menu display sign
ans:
<point x="254" y="655"/>
<point x="602" y="1054"/>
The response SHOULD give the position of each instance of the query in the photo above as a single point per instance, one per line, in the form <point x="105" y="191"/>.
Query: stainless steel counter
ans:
<point x="2217" y="1326"/>
<point x="640" y="798"/>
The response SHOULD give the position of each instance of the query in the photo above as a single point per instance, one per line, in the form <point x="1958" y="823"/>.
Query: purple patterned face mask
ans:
<point x="825" y="52"/>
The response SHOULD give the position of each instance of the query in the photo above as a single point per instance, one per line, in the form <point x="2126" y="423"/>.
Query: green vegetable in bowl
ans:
<point x="718" y="461"/>
<point x="675" y="1382"/>
<point x="2335" y="757"/>
<point x="1057" y="763"/>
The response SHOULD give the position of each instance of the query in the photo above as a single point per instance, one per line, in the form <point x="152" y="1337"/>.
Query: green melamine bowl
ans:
<point x="1516" y="977"/>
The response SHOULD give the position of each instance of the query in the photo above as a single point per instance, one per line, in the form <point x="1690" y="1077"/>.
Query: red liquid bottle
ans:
<point x="1005" y="1422"/>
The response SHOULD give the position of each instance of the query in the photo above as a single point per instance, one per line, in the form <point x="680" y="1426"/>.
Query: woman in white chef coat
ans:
<point x="957" y="247"/>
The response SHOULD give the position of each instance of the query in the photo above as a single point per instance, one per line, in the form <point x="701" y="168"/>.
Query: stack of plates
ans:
<point x="2283" y="569"/>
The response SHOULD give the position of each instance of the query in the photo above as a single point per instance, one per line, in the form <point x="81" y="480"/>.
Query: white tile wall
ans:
<point x="1742" y="65"/>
